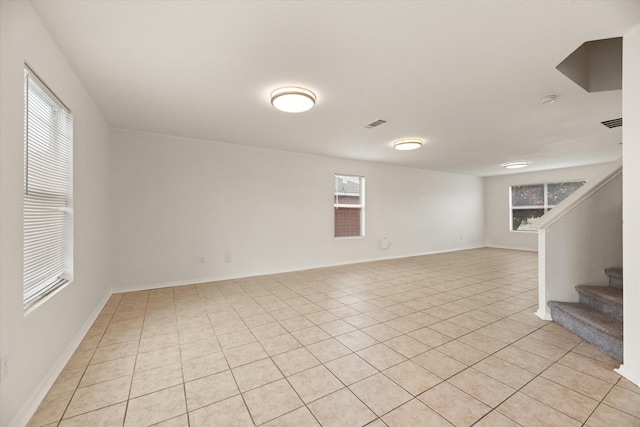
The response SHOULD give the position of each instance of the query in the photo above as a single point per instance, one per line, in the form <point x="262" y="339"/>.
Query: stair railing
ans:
<point x="579" y="238"/>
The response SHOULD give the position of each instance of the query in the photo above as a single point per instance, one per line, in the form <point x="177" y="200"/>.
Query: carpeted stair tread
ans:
<point x="593" y="318"/>
<point x="615" y="277"/>
<point x="613" y="272"/>
<point x="605" y="299"/>
<point x="602" y="331"/>
<point x="598" y="317"/>
<point x="604" y="293"/>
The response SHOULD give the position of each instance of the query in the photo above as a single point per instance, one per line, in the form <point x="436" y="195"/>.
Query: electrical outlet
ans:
<point x="227" y="256"/>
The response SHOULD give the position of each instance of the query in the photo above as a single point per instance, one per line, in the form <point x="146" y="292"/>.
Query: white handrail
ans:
<point x="578" y="196"/>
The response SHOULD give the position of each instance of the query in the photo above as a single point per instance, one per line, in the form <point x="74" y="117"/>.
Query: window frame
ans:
<point x="47" y="193"/>
<point x="360" y="205"/>
<point x="546" y="207"/>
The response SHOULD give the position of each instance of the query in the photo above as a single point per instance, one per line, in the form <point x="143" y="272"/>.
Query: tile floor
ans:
<point x="438" y="340"/>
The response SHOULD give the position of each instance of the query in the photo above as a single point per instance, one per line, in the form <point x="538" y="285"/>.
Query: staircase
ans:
<point x="597" y="317"/>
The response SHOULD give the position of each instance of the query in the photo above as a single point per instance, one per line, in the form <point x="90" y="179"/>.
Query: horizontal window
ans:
<point x="529" y="202"/>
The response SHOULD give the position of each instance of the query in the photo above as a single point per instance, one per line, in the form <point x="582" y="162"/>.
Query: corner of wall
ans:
<point x="31" y="405"/>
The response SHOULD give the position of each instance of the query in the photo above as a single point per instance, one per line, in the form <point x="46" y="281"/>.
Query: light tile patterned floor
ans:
<point x="438" y="340"/>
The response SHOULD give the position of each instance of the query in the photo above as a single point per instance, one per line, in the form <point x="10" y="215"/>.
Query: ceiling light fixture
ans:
<point x="548" y="100"/>
<point x="407" y="144"/>
<point x="516" y="165"/>
<point x="293" y="99"/>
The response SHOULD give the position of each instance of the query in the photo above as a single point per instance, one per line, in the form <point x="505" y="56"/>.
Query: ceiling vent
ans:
<point x="613" y="123"/>
<point x="375" y="124"/>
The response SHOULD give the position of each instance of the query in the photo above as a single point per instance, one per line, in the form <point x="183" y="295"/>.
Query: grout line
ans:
<point x="367" y="282"/>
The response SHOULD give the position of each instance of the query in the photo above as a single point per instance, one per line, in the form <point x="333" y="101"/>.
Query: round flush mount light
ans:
<point x="293" y="99"/>
<point x="548" y="100"/>
<point x="516" y="165"/>
<point x="407" y="144"/>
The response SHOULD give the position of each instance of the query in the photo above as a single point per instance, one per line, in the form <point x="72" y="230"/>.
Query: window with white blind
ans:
<point x="48" y="202"/>
<point x="348" y="206"/>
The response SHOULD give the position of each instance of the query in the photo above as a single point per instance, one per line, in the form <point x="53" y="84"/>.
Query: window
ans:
<point x="47" y="201"/>
<point x="348" y="206"/>
<point x="530" y="202"/>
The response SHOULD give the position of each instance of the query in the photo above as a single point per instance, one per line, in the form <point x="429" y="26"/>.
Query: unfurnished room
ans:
<point x="319" y="213"/>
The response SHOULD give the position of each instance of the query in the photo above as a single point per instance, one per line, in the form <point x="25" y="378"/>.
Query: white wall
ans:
<point x="631" y="194"/>
<point x="177" y="199"/>
<point x="36" y="346"/>
<point x="497" y="218"/>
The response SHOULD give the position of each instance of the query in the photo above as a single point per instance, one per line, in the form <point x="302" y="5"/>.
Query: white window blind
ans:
<point x="47" y="206"/>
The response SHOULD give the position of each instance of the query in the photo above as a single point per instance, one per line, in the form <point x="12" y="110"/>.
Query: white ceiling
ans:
<point x="464" y="75"/>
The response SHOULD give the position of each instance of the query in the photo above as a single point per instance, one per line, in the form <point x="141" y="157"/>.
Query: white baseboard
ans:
<point x="512" y="248"/>
<point x="30" y="407"/>
<point x="629" y="374"/>
<point x="216" y="278"/>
